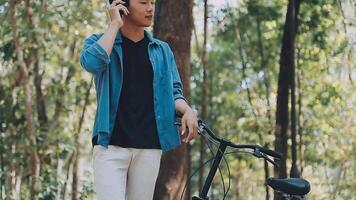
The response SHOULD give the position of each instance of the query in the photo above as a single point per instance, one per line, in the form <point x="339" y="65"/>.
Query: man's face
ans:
<point x="141" y="12"/>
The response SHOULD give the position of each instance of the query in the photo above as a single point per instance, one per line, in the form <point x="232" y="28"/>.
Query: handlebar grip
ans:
<point x="272" y="153"/>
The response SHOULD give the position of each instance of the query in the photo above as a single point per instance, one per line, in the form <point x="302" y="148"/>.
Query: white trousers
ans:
<point x="125" y="173"/>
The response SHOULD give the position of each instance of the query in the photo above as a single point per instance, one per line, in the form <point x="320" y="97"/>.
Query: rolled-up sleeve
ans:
<point x="93" y="57"/>
<point x="177" y="83"/>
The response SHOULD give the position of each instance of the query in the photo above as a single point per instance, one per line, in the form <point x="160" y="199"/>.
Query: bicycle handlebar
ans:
<point x="272" y="153"/>
<point x="203" y="126"/>
<point x="266" y="151"/>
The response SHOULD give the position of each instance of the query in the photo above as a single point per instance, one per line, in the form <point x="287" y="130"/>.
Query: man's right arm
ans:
<point x="95" y="55"/>
<point x="108" y="38"/>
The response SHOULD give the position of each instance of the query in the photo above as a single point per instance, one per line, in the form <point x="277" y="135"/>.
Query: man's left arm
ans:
<point x="189" y="119"/>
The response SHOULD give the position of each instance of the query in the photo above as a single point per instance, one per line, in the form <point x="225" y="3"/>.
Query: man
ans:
<point x="138" y="91"/>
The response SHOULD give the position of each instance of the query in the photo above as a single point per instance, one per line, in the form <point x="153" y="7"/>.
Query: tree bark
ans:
<point x="40" y="101"/>
<point x="68" y="169"/>
<point x="174" y="23"/>
<point x="78" y="142"/>
<point x="18" y="182"/>
<point x="286" y="66"/>
<point x="35" y="160"/>
<point x="33" y="58"/>
<point x="294" y="172"/>
<point x="203" y="103"/>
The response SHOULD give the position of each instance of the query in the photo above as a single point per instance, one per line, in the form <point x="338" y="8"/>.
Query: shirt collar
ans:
<point x="118" y="38"/>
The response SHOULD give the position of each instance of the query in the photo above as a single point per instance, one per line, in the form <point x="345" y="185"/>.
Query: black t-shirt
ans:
<point x="135" y="125"/>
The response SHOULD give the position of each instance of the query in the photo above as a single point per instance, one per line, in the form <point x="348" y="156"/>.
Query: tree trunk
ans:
<point x="33" y="58"/>
<point x="35" y="160"/>
<point x="68" y="169"/>
<point x="78" y="142"/>
<point x="175" y="165"/>
<point x="294" y="172"/>
<point x="58" y="174"/>
<point x="286" y="65"/>
<point x="203" y="103"/>
<point x="40" y="101"/>
<point x="18" y="182"/>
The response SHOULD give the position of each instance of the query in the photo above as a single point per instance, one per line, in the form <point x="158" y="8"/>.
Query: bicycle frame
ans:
<point x="212" y="172"/>
<point x="223" y="144"/>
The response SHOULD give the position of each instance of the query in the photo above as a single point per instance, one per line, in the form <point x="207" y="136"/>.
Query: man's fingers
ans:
<point x="189" y="121"/>
<point x="186" y="139"/>
<point x="190" y="136"/>
<point x="192" y="132"/>
<point x="122" y="8"/>
<point x="118" y="2"/>
<point x="125" y="10"/>
<point x="114" y="3"/>
<point x="183" y="127"/>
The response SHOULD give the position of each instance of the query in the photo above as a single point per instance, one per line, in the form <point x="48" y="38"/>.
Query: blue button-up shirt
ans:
<point x="108" y="78"/>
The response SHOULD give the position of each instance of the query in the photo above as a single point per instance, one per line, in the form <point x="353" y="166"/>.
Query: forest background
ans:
<point x="278" y="73"/>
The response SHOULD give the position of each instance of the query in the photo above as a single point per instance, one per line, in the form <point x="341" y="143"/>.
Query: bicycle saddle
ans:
<point x="291" y="186"/>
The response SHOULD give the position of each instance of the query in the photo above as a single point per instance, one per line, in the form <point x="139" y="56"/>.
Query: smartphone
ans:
<point x="127" y="2"/>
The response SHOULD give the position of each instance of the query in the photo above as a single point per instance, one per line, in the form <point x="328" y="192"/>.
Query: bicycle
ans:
<point x="290" y="188"/>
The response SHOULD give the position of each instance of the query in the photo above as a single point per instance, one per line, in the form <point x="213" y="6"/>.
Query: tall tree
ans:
<point x="287" y="66"/>
<point x="204" y="88"/>
<point x="78" y="145"/>
<point x="294" y="171"/>
<point x="24" y="71"/>
<point x="175" y="28"/>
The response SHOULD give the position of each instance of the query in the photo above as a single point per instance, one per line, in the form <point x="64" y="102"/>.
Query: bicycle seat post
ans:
<point x="212" y="172"/>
